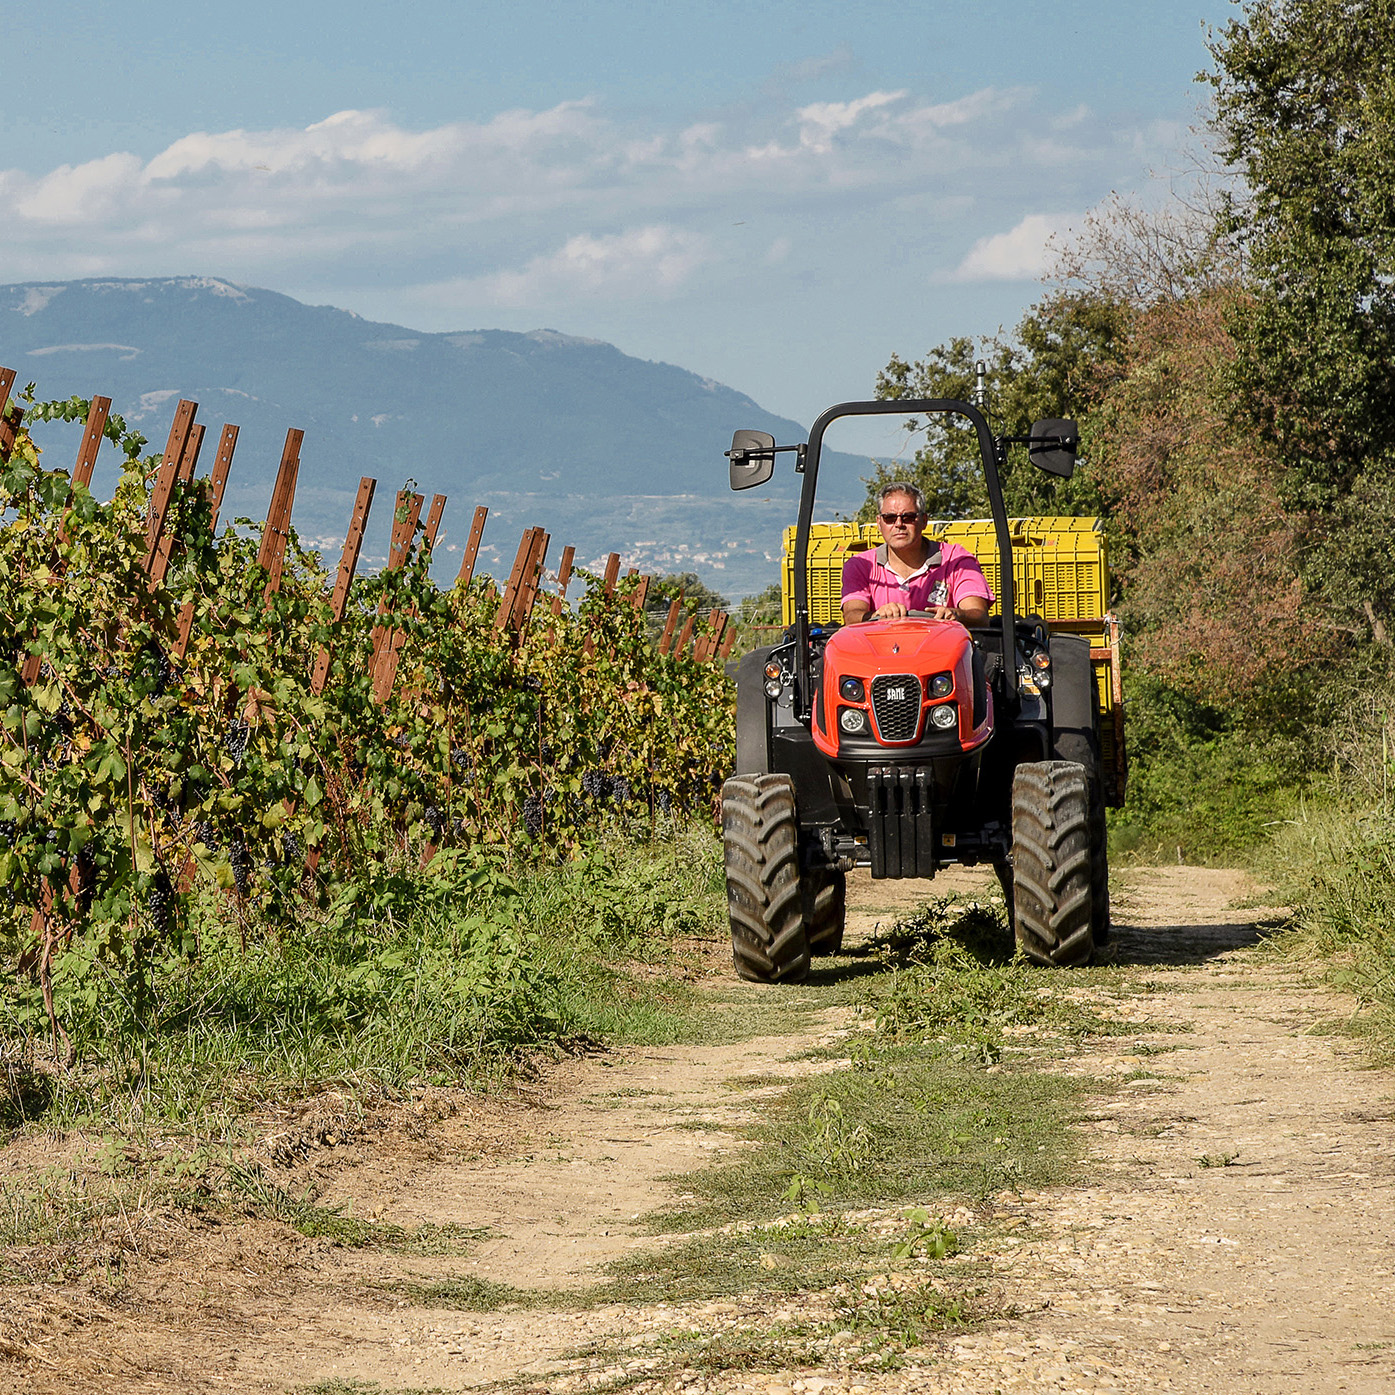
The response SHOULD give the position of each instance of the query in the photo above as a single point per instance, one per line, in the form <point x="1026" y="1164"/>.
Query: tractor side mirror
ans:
<point x="752" y="457"/>
<point x="1051" y="446"/>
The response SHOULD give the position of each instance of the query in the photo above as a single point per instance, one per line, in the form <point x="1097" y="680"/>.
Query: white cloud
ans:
<point x="649" y="261"/>
<point x="82" y="193"/>
<point x="821" y="121"/>
<point x="1021" y="254"/>
<point x="531" y="207"/>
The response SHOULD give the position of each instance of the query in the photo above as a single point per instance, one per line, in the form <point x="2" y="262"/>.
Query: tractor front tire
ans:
<point x="1052" y="864"/>
<point x="760" y="839"/>
<point x="824" y="893"/>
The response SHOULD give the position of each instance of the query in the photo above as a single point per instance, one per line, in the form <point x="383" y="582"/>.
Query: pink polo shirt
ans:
<point x="946" y="577"/>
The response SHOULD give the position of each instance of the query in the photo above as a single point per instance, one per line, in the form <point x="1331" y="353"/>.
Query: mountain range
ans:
<point x="605" y="451"/>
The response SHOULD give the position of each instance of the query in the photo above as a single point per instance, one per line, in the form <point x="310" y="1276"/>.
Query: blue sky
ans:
<point x="777" y="195"/>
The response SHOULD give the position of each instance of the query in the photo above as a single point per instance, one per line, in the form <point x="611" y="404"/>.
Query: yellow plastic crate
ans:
<point x="1060" y="565"/>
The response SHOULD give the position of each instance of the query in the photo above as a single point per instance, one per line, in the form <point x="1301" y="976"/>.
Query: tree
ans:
<point x="698" y="597"/>
<point x="1305" y="106"/>
<point x="1052" y="369"/>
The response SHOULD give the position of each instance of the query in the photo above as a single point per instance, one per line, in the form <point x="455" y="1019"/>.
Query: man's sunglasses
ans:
<point x="900" y="517"/>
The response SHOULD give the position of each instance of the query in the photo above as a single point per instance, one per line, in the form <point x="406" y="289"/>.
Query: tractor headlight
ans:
<point x="944" y="717"/>
<point x="941" y="685"/>
<point x="772" y="669"/>
<point x="851" y="690"/>
<point x="772" y="687"/>
<point x="852" y="719"/>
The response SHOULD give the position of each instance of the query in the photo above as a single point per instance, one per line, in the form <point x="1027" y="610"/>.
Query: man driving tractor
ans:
<point x="909" y="573"/>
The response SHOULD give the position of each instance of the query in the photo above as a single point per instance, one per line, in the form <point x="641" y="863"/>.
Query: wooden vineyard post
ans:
<point x="532" y="580"/>
<point x="472" y="549"/>
<point x="520" y="563"/>
<point x="612" y="575"/>
<point x="348" y="564"/>
<point x="222" y="463"/>
<point x="271" y="556"/>
<point x="719" y="625"/>
<point x="404" y="529"/>
<point x="189" y="461"/>
<point x="218" y="480"/>
<point x="641" y="593"/>
<point x="674" y="610"/>
<point x="700" y="646"/>
<point x="183" y="473"/>
<point x="157" y="557"/>
<point x="564" y="575"/>
<point x="97" y="415"/>
<point x="386" y="673"/>
<point x="9" y="418"/>
<point x="728" y="644"/>
<point x="433" y="520"/>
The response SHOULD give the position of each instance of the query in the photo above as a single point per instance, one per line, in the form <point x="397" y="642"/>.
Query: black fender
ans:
<point x="1075" y="712"/>
<point x="752" y="714"/>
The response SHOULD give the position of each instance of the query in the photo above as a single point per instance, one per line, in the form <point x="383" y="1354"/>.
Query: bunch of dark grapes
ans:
<point x="532" y="816"/>
<point x="460" y="757"/>
<point x="235" y="741"/>
<point x="620" y="790"/>
<point x="208" y="836"/>
<point x="160" y="902"/>
<point x="594" y="784"/>
<point x="400" y="741"/>
<point x="435" y="823"/>
<point x="546" y="754"/>
<point x="241" y="864"/>
<point x="292" y="848"/>
<point x="664" y="800"/>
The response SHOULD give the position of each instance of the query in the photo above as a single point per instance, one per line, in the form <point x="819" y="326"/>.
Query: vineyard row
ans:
<point x="191" y="708"/>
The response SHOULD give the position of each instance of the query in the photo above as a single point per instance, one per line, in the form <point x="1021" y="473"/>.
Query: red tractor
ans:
<point x="906" y="745"/>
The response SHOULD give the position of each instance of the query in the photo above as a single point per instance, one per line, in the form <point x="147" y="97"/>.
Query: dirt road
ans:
<point x="1232" y="1228"/>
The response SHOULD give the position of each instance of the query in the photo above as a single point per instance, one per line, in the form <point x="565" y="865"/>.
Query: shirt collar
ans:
<point x="932" y="559"/>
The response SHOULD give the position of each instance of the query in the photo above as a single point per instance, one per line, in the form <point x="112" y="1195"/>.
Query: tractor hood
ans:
<point x="900" y="646"/>
<point x="903" y="685"/>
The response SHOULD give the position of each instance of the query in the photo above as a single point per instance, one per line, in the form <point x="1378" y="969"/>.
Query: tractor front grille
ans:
<point x="896" y="706"/>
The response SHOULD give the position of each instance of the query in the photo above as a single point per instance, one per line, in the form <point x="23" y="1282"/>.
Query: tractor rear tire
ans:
<point x="1052" y="864"/>
<point x="824" y="892"/>
<point x="760" y="838"/>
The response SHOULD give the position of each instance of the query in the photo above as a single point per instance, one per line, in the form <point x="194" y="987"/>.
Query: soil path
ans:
<point x="1233" y="1228"/>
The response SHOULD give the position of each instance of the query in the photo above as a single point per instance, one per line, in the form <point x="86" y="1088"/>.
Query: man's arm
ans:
<point x="971" y="612"/>
<point x="856" y="602"/>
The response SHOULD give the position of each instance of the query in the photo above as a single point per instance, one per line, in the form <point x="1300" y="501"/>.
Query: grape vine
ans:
<point x="129" y="776"/>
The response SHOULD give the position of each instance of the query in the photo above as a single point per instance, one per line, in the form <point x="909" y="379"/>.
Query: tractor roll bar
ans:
<point x="904" y="406"/>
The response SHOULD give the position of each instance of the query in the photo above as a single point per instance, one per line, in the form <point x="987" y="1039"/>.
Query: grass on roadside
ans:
<point x="1337" y="869"/>
<point x="447" y="977"/>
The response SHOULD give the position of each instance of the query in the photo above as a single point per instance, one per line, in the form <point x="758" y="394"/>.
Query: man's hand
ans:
<point x="892" y="610"/>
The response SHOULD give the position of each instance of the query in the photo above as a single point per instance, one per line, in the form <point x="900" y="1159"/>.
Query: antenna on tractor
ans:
<point x="981" y="385"/>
